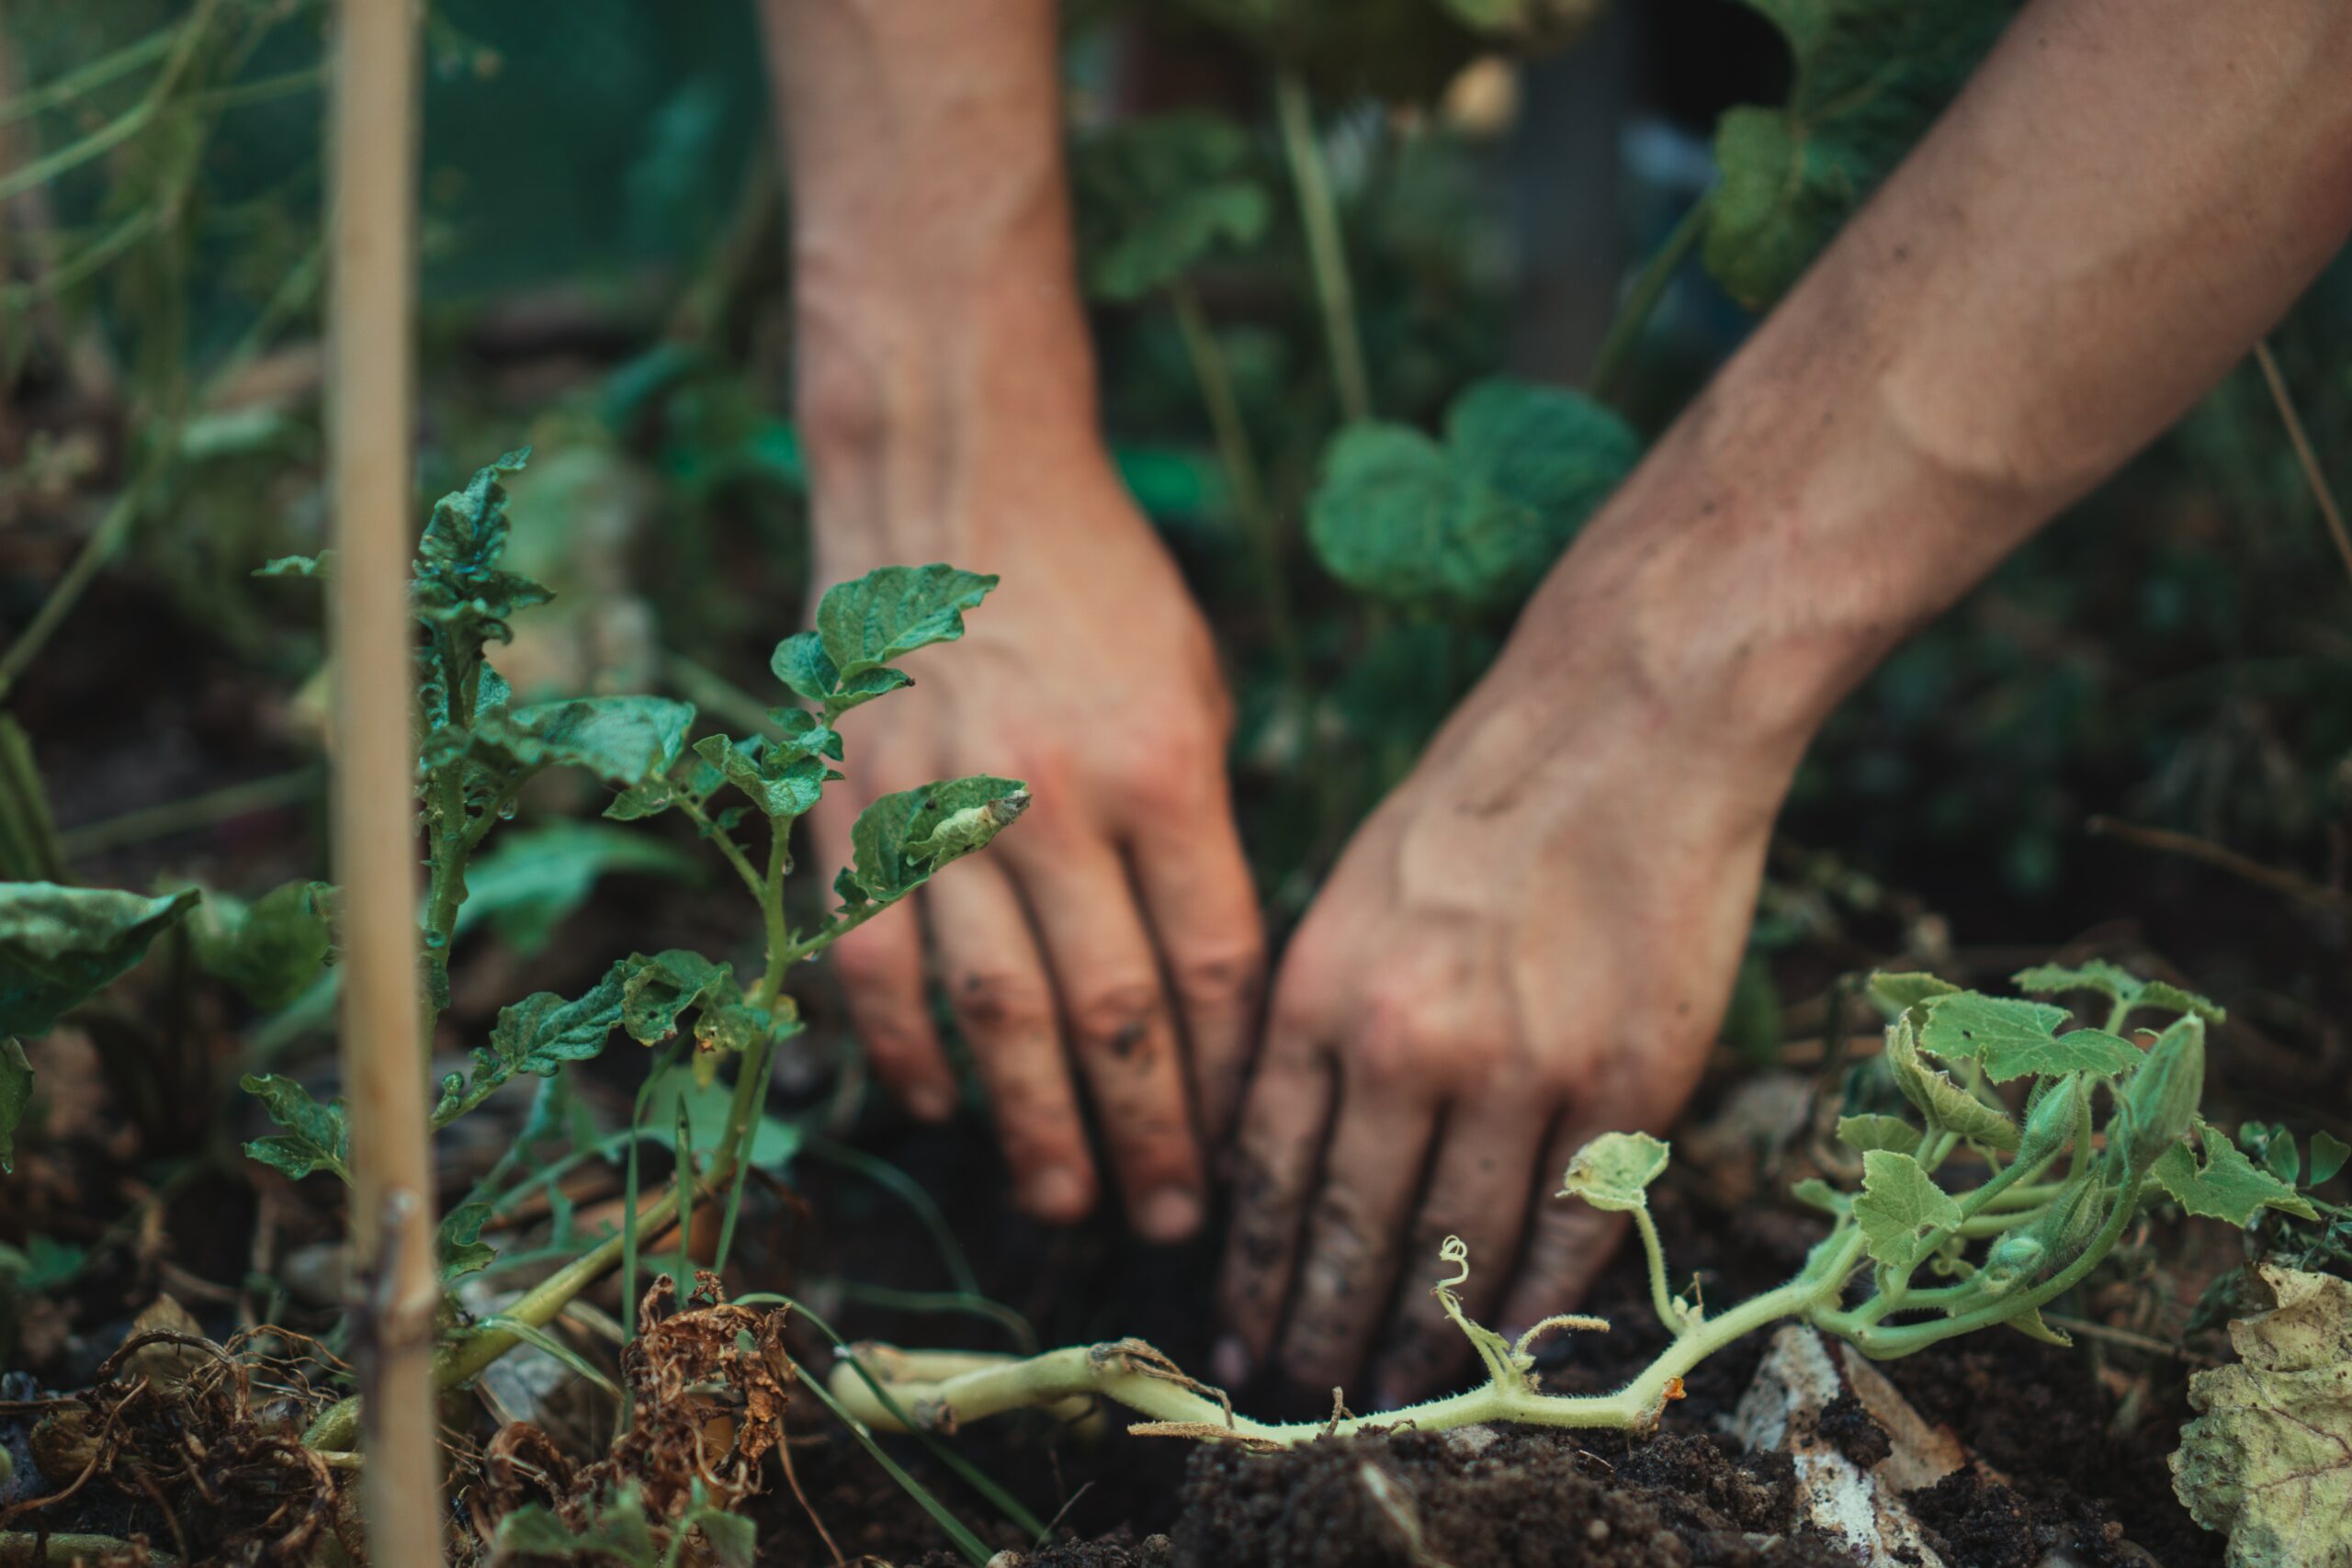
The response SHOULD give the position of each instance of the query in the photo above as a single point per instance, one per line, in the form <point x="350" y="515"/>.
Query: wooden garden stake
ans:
<point x="372" y="136"/>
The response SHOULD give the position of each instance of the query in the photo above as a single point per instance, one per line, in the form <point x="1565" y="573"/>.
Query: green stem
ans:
<point x="297" y="788"/>
<point x="1326" y="251"/>
<point x="1669" y="1314"/>
<point x="824" y="937"/>
<point x="1649" y="287"/>
<point x="96" y="73"/>
<point x="726" y="846"/>
<point x="1242" y="475"/>
<point x="96" y="551"/>
<point x="85" y="263"/>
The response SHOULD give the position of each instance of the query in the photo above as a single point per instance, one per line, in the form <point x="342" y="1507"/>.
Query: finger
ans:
<point x="1120" y="1029"/>
<point x="880" y="968"/>
<point x="1478" y="1191"/>
<point x="1283" y="1120"/>
<point x="1348" y="1266"/>
<point x="1003" y="1001"/>
<point x="1197" y="891"/>
<point x="1569" y="1240"/>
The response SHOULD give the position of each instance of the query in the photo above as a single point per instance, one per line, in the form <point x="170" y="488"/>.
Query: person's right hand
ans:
<point x="1114" y="928"/>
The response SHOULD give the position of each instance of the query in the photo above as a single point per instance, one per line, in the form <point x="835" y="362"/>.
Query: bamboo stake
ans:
<point x="372" y="136"/>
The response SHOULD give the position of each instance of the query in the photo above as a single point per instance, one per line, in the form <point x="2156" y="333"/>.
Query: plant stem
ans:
<point x="1661" y="1289"/>
<point x="1641" y="300"/>
<point x="1326" y="251"/>
<point x="1241" y="475"/>
<point x="99" y="549"/>
<point x="2313" y="474"/>
<point x="726" y="846"/>
<point x="295" y="788"/>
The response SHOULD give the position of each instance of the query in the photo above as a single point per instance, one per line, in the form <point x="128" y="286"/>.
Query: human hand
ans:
<point x="1119" y="919"/>
<point x="1529" y="943"/>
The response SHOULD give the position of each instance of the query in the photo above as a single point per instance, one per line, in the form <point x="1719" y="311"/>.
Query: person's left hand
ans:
<point x="1529" y="943"/>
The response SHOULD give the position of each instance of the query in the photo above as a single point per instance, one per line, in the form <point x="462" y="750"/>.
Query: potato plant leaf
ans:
<point x="1613" y="1171"/>
<point x="656" y="992"/>
<point x="1467" y="525"/>
<point x="458" y="1243"/>
<point x="622" y="740"/>
<point x="271" y="950"/>
<point x="316" y="1136"/>
<point x="533" y="879"/>
<point x="536" y="1036"/>
<point x="1871" y="75"/>
<point x="320" y="566"/>
<point x="902" y="838"/>
<point x="1155" y="197"/>
<point x="2011" y="1039"/>
<point x="2226" y="1185"/>
<point x="59" y="945"/>
<point x="2268" y="1455"/>
<point x="862" y="625"/>
<point x="784" y="781"/>
<point x="1900" y="1209"/>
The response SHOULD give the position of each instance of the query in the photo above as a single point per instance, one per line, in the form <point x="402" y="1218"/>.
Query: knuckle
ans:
<point x="1218" y="978"/>
<point x="1003" y="1001"/>
<point x="1117" y="1017"/>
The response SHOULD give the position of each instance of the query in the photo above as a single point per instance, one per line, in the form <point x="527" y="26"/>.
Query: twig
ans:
<point x="2303" y="452"/>
<point x="2089" y="1329"/>
<point x="294" y="789"/>
<point x="2216" y="855"/>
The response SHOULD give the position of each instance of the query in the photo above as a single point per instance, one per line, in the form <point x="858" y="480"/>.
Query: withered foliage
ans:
<point x="206" y="1437"/>
<point x="707" y="1385"/>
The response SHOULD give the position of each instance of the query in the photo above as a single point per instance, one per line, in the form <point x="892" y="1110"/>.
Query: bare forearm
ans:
<point x="933" y="284"/>
<point x="2125" y="199"/>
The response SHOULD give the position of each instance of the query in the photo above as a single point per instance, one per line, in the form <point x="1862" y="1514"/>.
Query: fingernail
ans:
<point x="1229" y="1361"/>
<point x="1057" y="1193"/>
<point x="931" y="1103"/>
<point x="1169" y="1215"/>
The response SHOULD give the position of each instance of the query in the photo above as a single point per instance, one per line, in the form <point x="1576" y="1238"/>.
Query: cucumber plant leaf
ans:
<point x="2011" y="1039"/>
<point x="1869" y="77"/>
<point x="2268" y="1457"/>
<point x="59" y="946"/>
<point x="2226" y="1185"/>
<point x="1469" y="524"/>
<point x="271" y="950"/>
<point x="1901" y="991"/>
<point x="1868" y="1131"/>
<point x="316" y="1136"/>
<point x="901" y="839"/>
<point x="1944" y="1102"/>
<point x="2328" y="1156"/>
<point x="1158" y="196"/>
<point x="1901" y="1211"/>
<point x="1613" y="1171"/>
<point x="862" y="625"/>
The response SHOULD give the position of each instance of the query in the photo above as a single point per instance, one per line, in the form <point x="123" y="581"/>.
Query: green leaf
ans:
<point x="2160" y="994"/>
<point x="1155" y="197"/>
<point x="1902" y="1213"/>
<point x="317" y="1137"/>
<point x="270" y="951"/>
<point x="536" y="1036"/>
<point x="2010" y="1039"/>
<point x="2227" y="1186"/>
<point x="782" y="782"/>
<point x="533" y="879"/>
<point x="2268" y="1455"/>
<point x="1889" y="1132"/>
<point x="656" y="992"/>
<point x="902" y="839"/>
<point x="775" y="1142"/>
<point x="623" y="741"/>
<point x="59" y="946"/>
<point x="1469" y="525"/>
<point x="1871" y="76"/>
<point x="2117" y="984"/>
<point x="615" y="1530"/>
<point x="1944" y="1102"/>
<point x="2282" y="1158"/>
<point x="458" y="1244"/>
<point x="2328" y="1154"/>
<point x="321" y="566"/>
<point x="15" y="1093"/>
<point x="1900" y="992"/>
<point x="1816" y="1194"/>
<point x="1613" y="1171"/>
<point x="862" y="625"/>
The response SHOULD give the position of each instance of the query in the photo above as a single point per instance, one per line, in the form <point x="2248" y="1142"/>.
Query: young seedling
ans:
<point x="1965" y="1216"/>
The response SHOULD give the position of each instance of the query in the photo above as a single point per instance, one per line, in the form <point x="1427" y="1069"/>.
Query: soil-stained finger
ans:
<point x="1355" y="1229"/>
<point x="1569" y="1240"/>
<point x="1003" y="1000"/>
<point x="1197" y="891"/>
<point x="881" y="972"/>
<point x="1276" y="1154"/>
<point x="1477" y="1192"/>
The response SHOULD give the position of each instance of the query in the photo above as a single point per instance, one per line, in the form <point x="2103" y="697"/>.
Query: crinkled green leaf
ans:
<point x="2010" y="1038"/>
<point x="2226" y="1185"/>
<point x="531" y="880"/>
<point x="1901" y="1211"/>
<point x="1613" y="1171"/>
<point x="272" y="950"/>
<point x="458" y="1244"/>
<point x="1467" y="525"/>
<point x="1874" y="1131"/>
<point x="59" y="946"/>
<point x="1901" y="991"/>
<point x="1155" y="197"/>
<point x="2162" y="994"/>
<point x="622" y="740"/>
<point x="902" y="838"/>
<point x="2268" y="1455"/>
<point x="656" y="992"/>
<point x="1944" y="1102"/>
<point x="536" y="1036"/>
<point x="2116" y="984"/>
<point x="862" y="625"/>
<point x="317" y="1137"/>
<point x="15" y="1093"/>
<point x="783" y="782"/>
<point x="1871" y="76"/>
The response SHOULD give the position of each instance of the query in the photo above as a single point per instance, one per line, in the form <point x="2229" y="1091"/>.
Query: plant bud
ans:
<point x="2050" y="1123"/>
<point x="2164" y="1093"/>
<point x="2015" y="1258"/>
